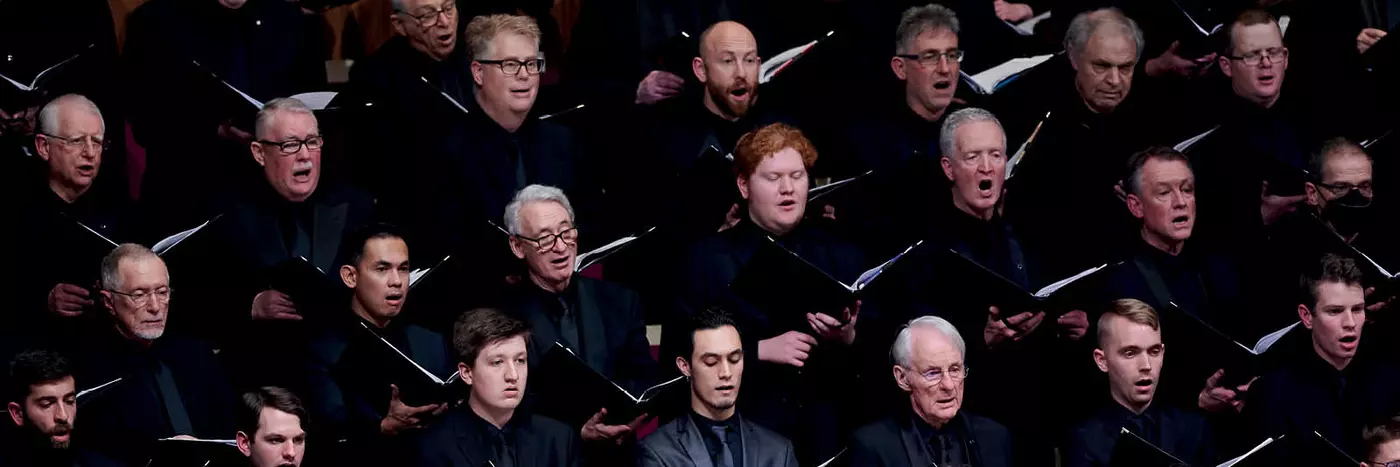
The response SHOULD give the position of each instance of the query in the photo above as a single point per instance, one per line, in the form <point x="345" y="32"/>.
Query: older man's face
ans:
<point x="1167" y="202"/>
<point x="931" y="79"/>
<point x="935" y="376"/>
<point x="550" y="242"/>
<point x="74" y="151"/>
<point x="295" y="175"/>
<point x="511" y="92"/>
<point x="978" y="168"/>
<point x="1103" y="71"/>
<point x="429" y="25"/>
<point x="1261" y="82"/>
<point x="142" y="302"/>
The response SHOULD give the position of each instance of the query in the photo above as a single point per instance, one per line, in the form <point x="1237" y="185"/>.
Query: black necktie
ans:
<point x="725" y="457"/>
<point x="170" y="397"/>
<point x="504" y="455"/>
<point x="568" y="325"/>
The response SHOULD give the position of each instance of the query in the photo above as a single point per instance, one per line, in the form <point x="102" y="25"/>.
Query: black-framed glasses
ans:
<point x="79" y="142"/>
<point x="547" y="241"/>
<point x="931" y="58"/>
<point x="431" y="18"/>
<point x="532" y="66"/>
<point x="142" y="298"/>
<point x="1341" y="189"/>
<point x="1274" y="54"/>
<point x="291" y="146"/>
<point x="956" y="374"/>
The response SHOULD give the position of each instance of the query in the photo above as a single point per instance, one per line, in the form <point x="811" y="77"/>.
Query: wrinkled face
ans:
<point x="543" y="222"/>
<point x="1103" y="71"/>
<point x="1131" y="354"/>
<point x="1167" y="202"/>
<point x="48" y="411"/>
<point x="716" y="367"/>
<point x="293" y="176"/>
<point x="777" y="191"/>
<point x="1336" y="320"/>
<point x="933" y="357"/>
<point x="499" y="90"/>
<point x="930" y="80"/>
<point x="143" y="302"/>
<point x="279" y="442"/>
<point x="1340" y="175"/>
<point x="728" y="67"/>
<point x="437" y="40"/>
<point x="74" y="152"/>
<point x="498" y="375"/>
<point x="1259" y="83"/>
<point x="978" y="169"/>
<point x="380" y="280"/>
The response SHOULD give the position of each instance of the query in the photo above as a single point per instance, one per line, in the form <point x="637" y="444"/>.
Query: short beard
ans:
<point x="721" y="100"/>
<point x="149" y="335"/>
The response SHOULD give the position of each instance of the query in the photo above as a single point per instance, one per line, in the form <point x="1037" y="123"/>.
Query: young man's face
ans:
<point x="48" y="411"/>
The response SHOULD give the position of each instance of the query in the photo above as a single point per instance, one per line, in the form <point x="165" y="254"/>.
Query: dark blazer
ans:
<point x="678" y="443"/>
<point x="1183" y="434"/>
<point x="457" y="441"/>
<point x="611" y="327"/>
<point x="1308" y="394"/>
<point x="894" y="442"/>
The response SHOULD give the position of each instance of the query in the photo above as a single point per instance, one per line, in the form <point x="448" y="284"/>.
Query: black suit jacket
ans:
<point x="679" y="443"/>
<point x="1308" y="395"/>
<point x="895" y="442"/>
<point x="1183" y="434"/>
<point x="610" y="325"/>
<point x="458" y="441"/>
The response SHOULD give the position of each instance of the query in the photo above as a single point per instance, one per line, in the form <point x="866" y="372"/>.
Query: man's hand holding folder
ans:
<point x="1217" y="396"/>
<point x="271" y="305"/>
<point x="595" y="430"/>
<point x="402" y="417"/>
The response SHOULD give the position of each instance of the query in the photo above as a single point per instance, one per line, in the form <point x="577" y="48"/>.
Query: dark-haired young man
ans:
<point x="493" y="358"/>
<point x="43" y="404"/>
<point x="270" y="428"/>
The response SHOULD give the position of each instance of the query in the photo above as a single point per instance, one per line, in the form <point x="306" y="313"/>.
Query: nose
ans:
<point x="785" y="185"/>
<point x="289" y="451"/>
<point x="512" y="374"/>
<point x="61" y="415"/>
<point x="984" y="164"/>
<point x="1348" y="320"/>
<point x="725" y="370"/>
<point x="944" y="65"/>
<point x="1144" y="364"/>
<point x="396" y="278"/>
<point x="1178" y="199"/>
<point x="1114" y="77"/>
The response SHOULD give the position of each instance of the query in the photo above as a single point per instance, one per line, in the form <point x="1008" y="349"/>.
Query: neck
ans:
<point x="363" y="313"/>
<point x="704" y="410"/>
<point x="506" y="118"/>
<point x="497" y="417"/>
<point x="230" y="5"/>
<point x="934" y="422"/>
<point x="984" y="214"/>
<point x="130" y="337"/>
<point x="1168" y="246"/>
<point x="68" y="193"/>
<point x="923" y="112"/>
<point x="713" y="107"/>
<point x="1266" y="102"/>
<point x="551" y="286"/>
<point x="1336" y="362"/>
<point x="1091" y="108"/>
<point x="1136" y="409"/>
<point x="775" y="230"/>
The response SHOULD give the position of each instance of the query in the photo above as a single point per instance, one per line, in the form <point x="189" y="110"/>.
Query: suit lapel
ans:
<point x="915" y="448"/>
<point x="468" y="442"/>
<point x="590" y="318"/>
<point x="688" y="436"/>
<point x="749" y="438"/>
<point x="326" y="228"/>
<point x="542" y="334"/>
<point x="524" y="444"/>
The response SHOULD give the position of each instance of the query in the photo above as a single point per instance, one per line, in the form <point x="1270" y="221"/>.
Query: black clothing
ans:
<point x="462" y="439"/>
<point x="709" y="432"/>
<point x="903" y="440"/>
<point x="1183" y="434"/>
<point x="1308" y="394"/>
<point x="680" y="442"/>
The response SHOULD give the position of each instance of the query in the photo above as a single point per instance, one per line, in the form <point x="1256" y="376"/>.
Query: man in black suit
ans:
<point x="1170" y="272"/>
<point x="1333" y="390"/>
<point x="493" y="358"/>
<point x="43" y="404"/>
<point x="1131" y="353"/>
<point x="929" y="367"/>
<point x="600" y="321"/>
<point x="804" y="361"/>
<point x="270" y="431"/>
<point x="257" y="46"/>
<point x="712" y="433"/>
<point x="293" y="216"/>
<point x="351" y="371"/>
<point x="170" y="385"/>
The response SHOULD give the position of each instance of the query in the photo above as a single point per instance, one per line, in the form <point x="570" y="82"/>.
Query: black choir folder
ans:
<point x="417" y="386"/>
<point x="1055" y="299"/>
<point x="179" y="452"/>
<point x="312" y="290"/>
<point x="1133" y="451"/>
<point x="777" y="279"/>
<point x="1240" y="362"/>
<point x="570" y="391"/>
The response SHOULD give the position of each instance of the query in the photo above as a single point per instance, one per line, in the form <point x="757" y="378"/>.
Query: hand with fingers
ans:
<point x="831" y="329"/>
<point x="789" y="348"/>
<point x="1216" y="397"/>
<point x="999" y="330"/>
<point x="403" y="417"/>
<point x="1367" y="38"/>
<point x="1073" y="325"/>
<point x="68" y="300"/>
<point x="595" y="430"/>
<point x="1377" y="304"/>
<point x="658" y="86"/>
<point x="1274" y="207"/>
<point x="272" y="305"/>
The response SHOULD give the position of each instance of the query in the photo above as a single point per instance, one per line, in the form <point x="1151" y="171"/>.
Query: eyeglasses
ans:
<point x="1274" y="54"/>
<point x="142" y="298"/>
<point x="291" y="146"/>
<point x="431" y="18"/>
<point x="935" y="375"/>
<point x="1341" y="189"/>
<point x="546" y="242"/>
<point x="932" y="59"/>
<point x="1384" y="464"/>
<point x="532" y="66"/>
<point x="79" y="142"/>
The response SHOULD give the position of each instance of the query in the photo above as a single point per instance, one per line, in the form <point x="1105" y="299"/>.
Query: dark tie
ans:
<point x="568" y="325"/>
<point x="726" y="456"/>
<point x="517" y="155"/>
<point x="945" y="451"/>
<point x="1143" y="426"/>
<point x="504" y="455"/>
<point x="170" y="397"/>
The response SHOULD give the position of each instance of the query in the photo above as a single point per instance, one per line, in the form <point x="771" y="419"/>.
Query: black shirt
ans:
<point x="947" y="445"/>
<point x="732" y="436"/>
<point x="1309" y="394"/>
<point x="563" y="309"/>
<point x="1183" y="434"/>
<point x="502" y="440"/>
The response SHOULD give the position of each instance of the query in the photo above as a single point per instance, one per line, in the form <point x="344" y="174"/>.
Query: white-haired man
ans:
<point x="929" y="366"/>
<point x="601" y="322"/>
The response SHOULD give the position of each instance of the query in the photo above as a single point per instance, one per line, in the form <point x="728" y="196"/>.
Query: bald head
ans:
<point x="728" y="67"/>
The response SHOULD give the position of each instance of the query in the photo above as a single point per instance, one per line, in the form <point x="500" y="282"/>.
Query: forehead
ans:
<point x="512" y="45"/>
<point x="980" y="135"/>
<point x="285" y="122"/>
<point x="503" y="347"/>
<point x="1256" y="36"/>
<point x="1337" y="293"/>
<point x="277" y="421"/>
<point x="383" y="247"/>
<point x="940" y="38"/>
<point x="731" y="38"/>
<point x="1160" y="171"/>
<point x="58" y="387"/>
<point x="1124" y="332"/>
<point x="932" y="348"/>
<point x="143" y="270"/>
<point x="1109" y="44"/>
<point x="785" y="160"/>
<point x="536" y="214"/>
<point x="722" y="340"/>
<point x="415" y="5"/>
<point x="76" y="118"/>
<point x="1347" y="165"/>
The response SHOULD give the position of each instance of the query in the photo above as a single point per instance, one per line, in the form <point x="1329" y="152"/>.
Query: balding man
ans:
<point x="290" y="217"/>
<point x="171" y="385"/>
<point x="929" y="366"/>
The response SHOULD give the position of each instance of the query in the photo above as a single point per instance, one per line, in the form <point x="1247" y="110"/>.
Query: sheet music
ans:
<point x="581" y="261"/>
<point x="833" y="458"/>
<point x="226" y="442"/>
<point x="989" y="79"/>
<point x="169" y="242"/>
<point x="1268" y="340"/>
<point x="819" y="191"/>
<point x="316" y="100"/>
<point x="1186" y="145"/>
<point x="870" y="275"/>
<point x="771" y="67"/>
<point x="246" y="97"/>
<point x="1232" y="462"/>
<point x="1029" y="25"/>
<point x="1050" y="289"/>
<point x="98" y="387"/>
<point x="35" y="83"/>
<point x="418" y="274"/>
<point x="405" y="357"/>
